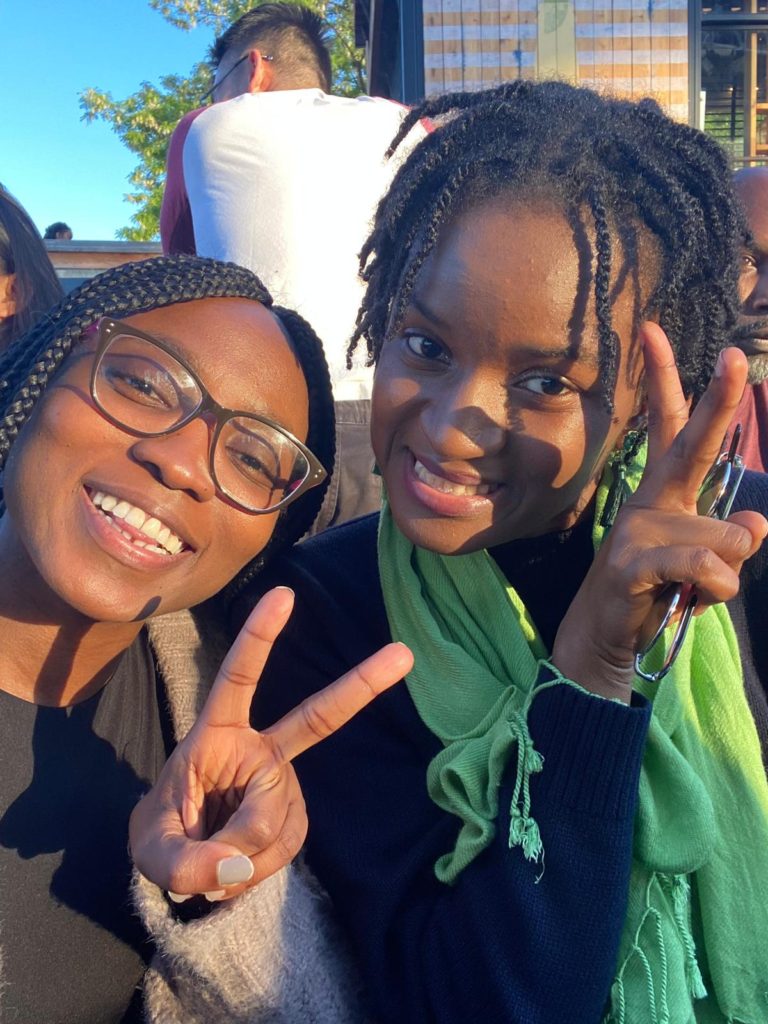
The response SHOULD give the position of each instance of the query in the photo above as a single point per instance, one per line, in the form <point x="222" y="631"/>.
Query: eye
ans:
<point x="141" y="385"/>
<point x="426" y="348"/>
<point x="748" y="261"/>
<point x="551" y="387"/>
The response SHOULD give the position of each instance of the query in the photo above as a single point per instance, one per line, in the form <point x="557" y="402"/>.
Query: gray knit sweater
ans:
<point x="271" y="955"/>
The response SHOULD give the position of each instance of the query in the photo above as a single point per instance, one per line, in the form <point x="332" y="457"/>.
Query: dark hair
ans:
<point x="626" y="163"/>
<point x="22" y="253"/>
<point x="293" y="34"/>
<point x="57" y="228"/>
<point x="27" y="369"/>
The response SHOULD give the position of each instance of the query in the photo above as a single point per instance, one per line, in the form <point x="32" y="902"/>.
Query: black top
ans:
<point x="499" y="946"/>
<point x="73" y="950"/>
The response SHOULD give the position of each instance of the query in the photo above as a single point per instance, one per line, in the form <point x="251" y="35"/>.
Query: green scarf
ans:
<point x="703" y="798"/>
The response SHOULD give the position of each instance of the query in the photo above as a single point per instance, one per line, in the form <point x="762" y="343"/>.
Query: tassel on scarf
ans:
<point x="523" y="830"/>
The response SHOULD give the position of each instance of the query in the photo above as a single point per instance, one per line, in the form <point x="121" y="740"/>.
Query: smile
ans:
<point x="440" y="483"/>
<point x="141" y="529"/>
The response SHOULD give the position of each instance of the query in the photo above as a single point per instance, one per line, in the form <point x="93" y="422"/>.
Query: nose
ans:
<point x="180" y="460"/>
<point x="466" y="421"/>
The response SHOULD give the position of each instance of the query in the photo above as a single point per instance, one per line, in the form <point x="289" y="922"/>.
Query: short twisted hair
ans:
<point x="624" y="162"/>
<point x="28" y="367"/>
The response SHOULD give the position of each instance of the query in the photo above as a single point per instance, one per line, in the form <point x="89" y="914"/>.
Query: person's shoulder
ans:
<point x="351" y="544"/>
<point x="337" y="568"/>
<point x="752" y="493"/>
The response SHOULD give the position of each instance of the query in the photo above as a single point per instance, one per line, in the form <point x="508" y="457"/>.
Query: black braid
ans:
<point x="624" y="163"/>
<point x="28" y="366"/>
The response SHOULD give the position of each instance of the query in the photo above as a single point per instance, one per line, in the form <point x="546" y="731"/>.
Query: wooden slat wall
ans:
<point x="632" y="47"/>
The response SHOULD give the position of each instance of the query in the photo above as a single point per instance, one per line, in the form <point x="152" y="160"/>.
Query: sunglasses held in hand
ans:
<point x="715" y="500"/>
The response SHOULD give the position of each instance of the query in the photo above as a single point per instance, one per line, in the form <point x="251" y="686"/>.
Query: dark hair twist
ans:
<point x="627" y="165"/>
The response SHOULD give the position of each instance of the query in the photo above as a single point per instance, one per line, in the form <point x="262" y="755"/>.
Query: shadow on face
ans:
<point x="491" y="418"/>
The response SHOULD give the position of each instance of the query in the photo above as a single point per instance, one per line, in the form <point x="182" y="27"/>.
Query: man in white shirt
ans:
<point x="279" y="176"/>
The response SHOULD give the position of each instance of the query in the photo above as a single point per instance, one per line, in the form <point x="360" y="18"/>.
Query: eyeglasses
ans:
<point x="207" y="95"/>
<point x="143" y="387"/>
<point x="715" y="500"/>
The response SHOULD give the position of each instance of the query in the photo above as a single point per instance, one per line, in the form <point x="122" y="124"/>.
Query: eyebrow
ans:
<point x="565" y="354"/>
<point x="190" y="360"/>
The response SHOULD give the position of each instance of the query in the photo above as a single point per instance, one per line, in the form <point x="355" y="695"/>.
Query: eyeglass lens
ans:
<point x="146" y="390"/>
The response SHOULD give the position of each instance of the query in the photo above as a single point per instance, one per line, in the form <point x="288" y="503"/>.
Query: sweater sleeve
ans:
<point x="272" y="954"/>
<point x="176" y="229"/>
<point x="510" y="941"/>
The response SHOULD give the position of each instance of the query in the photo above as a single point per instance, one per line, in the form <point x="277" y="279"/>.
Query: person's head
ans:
<point x="127" y="492"/>
<point x="274" y="46"/>
<point x="58" y="230"/>
<point x="28" y="282"/>
<point x="510" y="265"/>
<point x="751" y="184"/>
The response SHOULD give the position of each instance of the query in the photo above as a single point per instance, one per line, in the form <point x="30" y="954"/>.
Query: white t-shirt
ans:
<point x="286" y="183"/>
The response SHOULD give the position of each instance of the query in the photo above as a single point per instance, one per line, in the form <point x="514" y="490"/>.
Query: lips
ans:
<point x="136" y="525"/>
<point x="448" y="493"/>
<point x="449" y="486"/>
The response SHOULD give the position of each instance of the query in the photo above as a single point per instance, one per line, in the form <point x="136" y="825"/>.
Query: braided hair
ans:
<point x="29" y="365"/>
<point x="624" y="163"/>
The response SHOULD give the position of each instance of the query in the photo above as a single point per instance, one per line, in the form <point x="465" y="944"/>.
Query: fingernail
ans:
<point x="178" y="897"/>
<point x="288" y="589"/>
<point x="215" y="896"/>
<point x="720" y="364"/>
<point x="233" y="870"/>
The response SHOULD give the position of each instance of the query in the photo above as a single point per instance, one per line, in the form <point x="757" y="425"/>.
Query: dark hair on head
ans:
<point x="27" y="369"/>
<point x="22" y="253"/>
<point x="293" y="34"/>
<point x="626" y="164"/>
<point x="57" y="228"/>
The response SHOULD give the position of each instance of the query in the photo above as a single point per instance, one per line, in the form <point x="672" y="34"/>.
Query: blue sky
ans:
<point x="57" y="166"/>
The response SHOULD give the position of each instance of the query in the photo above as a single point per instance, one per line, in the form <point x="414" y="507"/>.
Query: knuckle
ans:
<point x="701" y="561"/>
<point x="262" y="833"/>
<point x="290" y="843"/>
<point x="315" y="719"/>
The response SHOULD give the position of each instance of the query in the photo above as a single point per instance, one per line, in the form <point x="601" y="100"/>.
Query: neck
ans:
<point x="51" y="654"/>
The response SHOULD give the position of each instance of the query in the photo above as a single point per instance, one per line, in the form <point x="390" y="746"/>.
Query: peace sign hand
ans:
<point x="227" y="810"/>
<point x="658" y="537"/>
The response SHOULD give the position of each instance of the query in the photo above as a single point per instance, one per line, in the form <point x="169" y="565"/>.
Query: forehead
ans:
<point x="752" y="190"/>
<point x="240" y="352"/>
<point x="524" y="271"/>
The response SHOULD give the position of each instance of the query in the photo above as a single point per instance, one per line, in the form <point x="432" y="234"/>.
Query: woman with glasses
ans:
<point x="165" y="431"/>
<point x="532" y="828"/>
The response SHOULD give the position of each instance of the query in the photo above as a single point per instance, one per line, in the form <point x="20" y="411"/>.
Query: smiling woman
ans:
<point x="528" y="831"/>
<point x="163" y="432"/>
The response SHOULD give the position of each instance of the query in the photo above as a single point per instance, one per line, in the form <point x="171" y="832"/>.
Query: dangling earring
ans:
<point x="618" y="464"/>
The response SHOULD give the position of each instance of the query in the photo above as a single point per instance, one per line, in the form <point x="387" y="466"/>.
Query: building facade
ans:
<point x="703" y="60"/>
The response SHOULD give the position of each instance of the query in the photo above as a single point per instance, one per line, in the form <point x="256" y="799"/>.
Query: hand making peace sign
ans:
<point x="658" y="537"/>
<point x="227" y="810"/>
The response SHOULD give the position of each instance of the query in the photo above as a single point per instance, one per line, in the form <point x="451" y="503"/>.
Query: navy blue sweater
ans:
<point x="502" y="944"/>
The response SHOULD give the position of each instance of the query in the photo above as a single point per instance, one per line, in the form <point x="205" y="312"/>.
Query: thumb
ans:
<point x="187" y="867"/>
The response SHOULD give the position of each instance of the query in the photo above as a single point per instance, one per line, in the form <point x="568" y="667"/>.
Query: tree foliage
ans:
<point x="144" y="121"/>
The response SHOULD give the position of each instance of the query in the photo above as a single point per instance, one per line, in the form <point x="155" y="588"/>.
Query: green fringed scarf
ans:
<point x="703" y="799"/>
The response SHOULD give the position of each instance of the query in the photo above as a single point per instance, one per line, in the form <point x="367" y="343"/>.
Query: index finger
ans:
<point x="682" y="449"/>
<point x="326" y="711"/>
<point x="229" y="702"/>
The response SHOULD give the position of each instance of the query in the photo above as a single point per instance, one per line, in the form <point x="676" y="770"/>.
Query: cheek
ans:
<point x="393" y="407"/>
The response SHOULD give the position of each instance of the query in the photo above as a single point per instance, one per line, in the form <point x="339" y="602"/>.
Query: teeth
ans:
<point x="439" y="483"/>
<point x="165" y="541"/>
<point x="135" y="517"/>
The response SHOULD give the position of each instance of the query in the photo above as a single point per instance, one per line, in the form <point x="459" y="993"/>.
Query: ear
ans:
<point x="260" y="73"/>
<point x="7" y="295"/>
